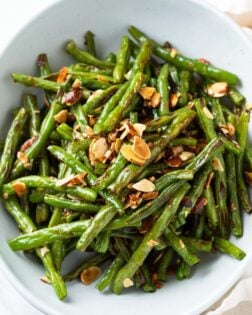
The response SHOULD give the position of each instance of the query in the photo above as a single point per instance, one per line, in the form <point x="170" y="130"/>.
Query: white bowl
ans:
<point x="197" y="30"/>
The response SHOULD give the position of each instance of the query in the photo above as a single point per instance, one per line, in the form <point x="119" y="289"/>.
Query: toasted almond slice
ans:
<point x="141" y="148"/>
<point x="207" y="112"/>
<point x="144" y="185"/>
<point x="173" y="52"/>
<point x="72" y="180"/>
<point x="62" y="75"/>
<point x="152" y="243"/>
<point x="118" y="144"/>
<point x="99" y="148"/>
<point x="177" y="150"/>
<point x="217" y="166"/>
<point x="89" y="132"/>
<point x="217" y="89"/>
<point x="248" y="107"/>
<point x="91" y="154"/>
<point x="91" y="120"/>
<point x="174" y="99"/>
<point x="174" y="161"/>
<point x="77" y="84"/>
<point x="150" y="195"/>
<point x="139" y="128"/>
<point x="155" y="99"/>
<point x="228" y="129"/>
<point x="127" y="282"/>
<point x="90" y="274"/>
<point x="186" y="155"/>
<point x="22" y="157"/>
<point x="28" y="143"/>
<point x="61" y="117"/>
<point x="45" y="279"/>
<point x="44" y="250"/>
<point x="147" y="92"/>
<point x="19" y="188"/>
<point x="181" y="243"/>
<point x="209" y="179"/>
<point x="129" y="154"/>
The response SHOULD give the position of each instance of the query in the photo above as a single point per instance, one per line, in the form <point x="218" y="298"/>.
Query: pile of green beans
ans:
<point x="144" y="162"/>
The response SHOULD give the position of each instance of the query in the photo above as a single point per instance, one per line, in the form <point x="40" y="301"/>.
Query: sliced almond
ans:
<point x="228" y="129"/>
<point x="209" y="179"/>
<point x="248" y="107"/>
<point x="44" y="250"/>
<point x="90" y="274"/>
<point x="62" y="75"/>
<point x="28" y="143"/>
<point x="99" y="148"/>
<point x="130" y="155"/>
<point x="207" y="112"/>
<point x="89" y="132"/>
<point x="177" y="150"/>
<point x="139" y="128"/>
<point x="152" y="243"/>
<point x="181" y="243"/>
<point x="91" y="120"/>
<point x="150" y="195"/>
<point x="118" y="144"/>
<point x="155" y="100"/>
<point x="173" y="99"/>
<point x="186" y="155"/>
<point x="147" y="92"/>
<point x="19" y="188"/>
<point x="22" y="157"/>
<point x="217" y="89"/>
<point x="45" y="279"/>
<point x="144" y="185"/>
<point x="140" y="148"/>
<point x="61" y="117"/>
<point x="217" y="166"/>
<point x="77" y="84"/>
<point x="127" y="282"/>
<point x="174" y="161"/>
<point x="72" y="180"/>
<point x="133" y="200"/>
<point x="173" y="52"/>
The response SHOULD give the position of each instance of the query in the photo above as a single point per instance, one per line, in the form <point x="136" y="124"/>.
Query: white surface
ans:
<point x="12" y="19"/>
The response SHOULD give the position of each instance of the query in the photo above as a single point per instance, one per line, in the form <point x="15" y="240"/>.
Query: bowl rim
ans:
<point x="35" y="301"/>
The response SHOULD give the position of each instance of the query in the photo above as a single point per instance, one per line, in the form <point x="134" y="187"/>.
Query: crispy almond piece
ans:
<point x="152" y="243"/>
<point x="77" y="84"/>
<point x="248" y="107"/>
<point x="45" y="279"/>
<point x="141" y="148"/>
<point x="127" y="282"/>
<point x="28" y="143"/>
<point x="20" y="188"/>
<point x="146" y="224"/>
<point x="144" y="185"/>
<point x="181" y="243"/>
<point x="217" y="166"/>
<point x="207" y="112"/>
<point x="217" y="89"/>
<point x="186" y="155"/>
<point x="91" y="120"/>
<point x="118" y="144"/>
<point x="22" y="157"/>
<point x="155" y="99"/>
<point x="90" y="274"/>
<point x="61" y="117"/>
<point x="139" y="128"/>
<point x="209" y="179"/>
<point x="62" y="75"/>
<point x="228" y="129"/>
<point x="89" y="132"/>
<point x="150" y="195"/>
<point x="130" y="155"/>
<point x="147" y="92"/>
<point x="134" y="200"/>
<point x="99" y="148"/>
<point x="173" y="52"/>
<point x="44" y="250"/>
<point x="72" y="180"/>
<point x="177" y="150"/>
<point x="173" y="99"/>
<point x="174" y="161"/>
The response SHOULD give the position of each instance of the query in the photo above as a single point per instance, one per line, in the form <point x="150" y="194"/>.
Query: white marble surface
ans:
<point x="11" y="303"/>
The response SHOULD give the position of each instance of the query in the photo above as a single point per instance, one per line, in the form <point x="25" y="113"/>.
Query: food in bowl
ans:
<point x="142" y="160"/>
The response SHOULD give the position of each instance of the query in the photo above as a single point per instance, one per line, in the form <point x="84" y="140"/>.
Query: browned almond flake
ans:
<point x="147" y="92"/>
<point x="130" y="155"/>
<point x="140" y="148"/>
<point x="209" y="179"/>
<point x="173" y="99"/>
<point x="89" y="132"/>
<point x="28" y="143"/>
<point x="44" y="250"/>
<point x="61" y="117"/>
<point x="200" y="205"/>
<point x="72" y="180"/>
<point x="248" y="107"/>
<point x="118" y="144"/>
<point x="72" y="97"/>
<point x="144" y="185"/>
<point x="155" y="100"/>
<point x="127" y="282"/>
<point x="91" y="120"/>
<point x="207" y="112"/>
<point x="173" y="52"/>
<point x="62" y="75"/>
<point x="150" y="195"/>
<point x="45" y="279"/>
<point x="139" y="128"/>
<point x="22" y="157"/>
<point x="77" y="84"/>
<point x="181" y="243"/>
<point x="152" y="243"/>
<point x="216" y="164"/>
<point x="90" y="274"/>
<point x="19" y="188"/>
<point x="186" y="155"/>
<point x="217" y="89"/>
<point x="228" y="129"/>
<point x="177" y="150"/>
<point x="99" y="147"/>
<point x="174" y="161"/>
<point x="133" y="200"/>
<point x="146" y="225"/>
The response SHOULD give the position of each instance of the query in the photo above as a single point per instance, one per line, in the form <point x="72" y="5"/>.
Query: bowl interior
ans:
<point x="196" y="31"/>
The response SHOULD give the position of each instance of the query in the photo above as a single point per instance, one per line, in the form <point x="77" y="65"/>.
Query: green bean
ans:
<point x="164" y="263"/>
<point x="148" y="286"/>
<point x="111" y="57"/>
<point x="142" y="58"/>
<point x="228" y="248"/>
<point x="171" y="177"/>
<point x="65" y="132"/>
<point x="27" y="226"/>
<point x="85" y="57"/>
<point x="34" y="239"/>
<point x="211" y="209"/>
<point x="236" y="97"/>
<point x="159" y="122"/>
<point x="183" y="271"/>
<point x="90" y="43"/>
<point x="75" y="205"/>
<point x="140" y="254"/>
<point x="163" y="88"/>
<point x="183" y="87"/>
<point x="11" y="143"/>
<point x="43" y="65"/>
<point x="184" y="141"/>
<point x="82" y="67"/>
<point x="102" y="242"/>
<point x="122" y="60"/>
<point x="186" y="63"/>
<point x="30" y="104"/>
